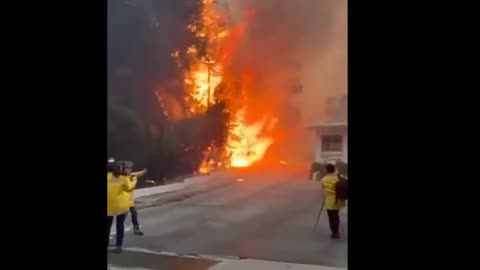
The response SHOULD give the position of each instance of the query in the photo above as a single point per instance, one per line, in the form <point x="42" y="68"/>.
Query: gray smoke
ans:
<point x="291" y="45"/>
<point x="290" y="42"/>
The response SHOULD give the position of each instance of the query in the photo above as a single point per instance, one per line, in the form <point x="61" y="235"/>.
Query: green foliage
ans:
<point x="168" y="148"/>
<point x="126" y="136"/>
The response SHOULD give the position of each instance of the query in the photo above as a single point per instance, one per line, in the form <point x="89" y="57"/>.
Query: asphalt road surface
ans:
<point x="268" y="216"/>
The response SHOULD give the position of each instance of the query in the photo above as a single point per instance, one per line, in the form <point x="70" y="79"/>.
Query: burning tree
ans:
<point x="215" y="90"/>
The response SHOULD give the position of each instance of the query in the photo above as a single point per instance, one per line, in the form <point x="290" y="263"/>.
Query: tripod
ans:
<point x="319" y="213"/>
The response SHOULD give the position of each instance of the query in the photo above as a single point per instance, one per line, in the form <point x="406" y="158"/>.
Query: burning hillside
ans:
<point x="209" y="79"/>
<point x="250" y="57"/>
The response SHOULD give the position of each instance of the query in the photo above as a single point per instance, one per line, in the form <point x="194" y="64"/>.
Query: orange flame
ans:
<point x="245" y="146"/>
<point x="246" y="143"/>
<point x="208" y="164"/>
<point x="203" y="83"/>
<point x="204" y="169"/>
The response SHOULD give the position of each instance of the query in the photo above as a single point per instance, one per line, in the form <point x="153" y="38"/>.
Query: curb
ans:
<point x="145" y="192"/>
<point x="191" y="187"/>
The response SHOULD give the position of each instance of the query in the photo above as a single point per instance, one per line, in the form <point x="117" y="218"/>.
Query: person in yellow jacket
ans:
<point x="127" y="171"/>
<point x="118" y="203"/>
<point x="332" y="204"/>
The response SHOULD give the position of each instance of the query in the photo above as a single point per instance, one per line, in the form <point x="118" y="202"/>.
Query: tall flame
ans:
<point x="245" y="146"/>
<point x="205" y="71"/>
<point x="246" y="143"/>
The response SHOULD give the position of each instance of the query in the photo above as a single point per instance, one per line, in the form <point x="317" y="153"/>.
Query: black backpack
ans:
<point x="341" y="189"/>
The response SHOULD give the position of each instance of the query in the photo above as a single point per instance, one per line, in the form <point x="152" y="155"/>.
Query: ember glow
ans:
<point x="205" y="71"/>
<point x="245" y="145"/>
<point x="247" y="142"/>
<point x="204" y="169"/>
<point x="203" y="84"/>
<point x="208" y="163"/>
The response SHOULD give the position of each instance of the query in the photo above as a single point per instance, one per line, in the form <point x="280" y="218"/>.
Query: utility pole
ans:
<point x="208" y="81"/>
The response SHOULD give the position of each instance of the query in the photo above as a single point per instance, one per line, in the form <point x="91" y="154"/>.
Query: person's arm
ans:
<point x="133" y="181"/>
<point x="129" y="184"/>
<point x="140" y="173"/>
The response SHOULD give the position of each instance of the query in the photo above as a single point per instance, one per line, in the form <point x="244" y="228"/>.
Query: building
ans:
<point x="331" y="136"/>
<point x="330" y="142"/>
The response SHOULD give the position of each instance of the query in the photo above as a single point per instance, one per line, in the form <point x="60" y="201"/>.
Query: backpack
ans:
<point x="341" y="189"/>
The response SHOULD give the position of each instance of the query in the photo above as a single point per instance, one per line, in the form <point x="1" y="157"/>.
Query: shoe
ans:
<point x="137" y="232"/>
<point x="117" y="250"/>
<point x="335" y="236"/>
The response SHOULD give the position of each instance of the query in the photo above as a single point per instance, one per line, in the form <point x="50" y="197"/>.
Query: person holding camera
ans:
<point x="118" y="202"/>
<point x="332" y="201"/>
<point x="133" y="176"/>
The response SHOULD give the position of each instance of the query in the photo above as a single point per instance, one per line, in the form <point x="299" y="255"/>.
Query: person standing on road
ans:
<point x="133" y="176"/>
<point x="333" y="205"/>
<point x="118" y="203"/>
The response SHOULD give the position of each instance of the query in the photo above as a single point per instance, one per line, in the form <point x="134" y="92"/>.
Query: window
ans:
<point x="331" y="143"/>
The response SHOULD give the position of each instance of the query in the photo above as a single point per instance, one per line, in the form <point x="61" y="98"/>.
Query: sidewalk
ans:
<point x="180" y="191"/>
<point x="137" y="259"/>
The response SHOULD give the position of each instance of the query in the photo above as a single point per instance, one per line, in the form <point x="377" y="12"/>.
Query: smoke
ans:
<point x="294" y="53"/>
<point x="294" y="42"/>
<point x="142" y="34"/>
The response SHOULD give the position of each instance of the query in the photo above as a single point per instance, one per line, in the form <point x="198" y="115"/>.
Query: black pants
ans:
<point x="334" y="220"/>
<point x="120" y="221"/>
<point x="134" y="213"/>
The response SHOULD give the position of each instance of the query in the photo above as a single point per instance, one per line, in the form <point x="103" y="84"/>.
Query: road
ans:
<point x="266" y="216"/>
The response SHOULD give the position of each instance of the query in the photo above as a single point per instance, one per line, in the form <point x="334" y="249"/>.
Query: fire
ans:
<point x="204" y="169"/>
<point x="205" y="71"/>
<point x="208" y="163"/>
<point x="245" y="146"/>
<point x="203" y="82"/>
<point x="246" y="143"/>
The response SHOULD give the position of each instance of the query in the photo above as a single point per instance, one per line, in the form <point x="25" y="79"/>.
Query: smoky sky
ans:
<point x="142" y="34"/>
<point x="291" y="43"/>
<point x="299" y="44"/>
<point x="291" y="46"/>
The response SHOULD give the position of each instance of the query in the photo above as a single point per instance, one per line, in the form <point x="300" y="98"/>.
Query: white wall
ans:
<point x="318" y="149"/>
<point x="325" y="157"/>
<point x="345" y="149"/>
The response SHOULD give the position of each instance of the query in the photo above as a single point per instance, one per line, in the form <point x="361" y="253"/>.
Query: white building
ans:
<point x="331" y="142"/>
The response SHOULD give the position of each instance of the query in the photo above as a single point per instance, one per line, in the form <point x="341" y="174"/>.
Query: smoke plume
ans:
<point x="295" y="52"/>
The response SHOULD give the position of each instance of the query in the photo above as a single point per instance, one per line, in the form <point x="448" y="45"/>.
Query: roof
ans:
<point x="319" y="125"/>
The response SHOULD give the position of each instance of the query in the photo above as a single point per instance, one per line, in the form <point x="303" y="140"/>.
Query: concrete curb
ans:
<point x="139" y="193"/>
<point x="144" y="192"/>
<point x="189" y="188"/>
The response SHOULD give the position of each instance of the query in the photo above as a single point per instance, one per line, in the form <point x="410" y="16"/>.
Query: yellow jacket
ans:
<point x="134" y="176"/>
<point x="131" y="198"/>
<point x="328" y="183"/>
<point x="117" y="194"/>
